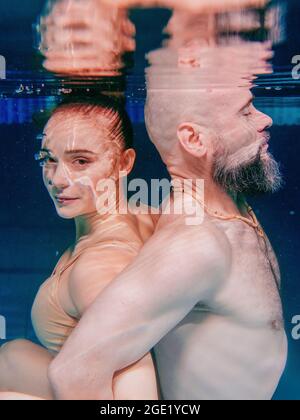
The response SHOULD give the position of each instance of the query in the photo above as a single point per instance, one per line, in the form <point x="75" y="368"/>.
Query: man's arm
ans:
<point x="174" y="270"/>
<point x="91" y="274"/>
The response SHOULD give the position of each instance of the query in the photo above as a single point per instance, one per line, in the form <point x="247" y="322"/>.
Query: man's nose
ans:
<point x="264" y="121"/>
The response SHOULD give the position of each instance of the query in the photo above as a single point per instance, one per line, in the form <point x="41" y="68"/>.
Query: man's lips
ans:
<point x="265" y="139"/>
<point x="265" y="143"/>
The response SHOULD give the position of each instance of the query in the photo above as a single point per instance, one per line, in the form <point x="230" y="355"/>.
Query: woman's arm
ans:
<point x="136" y="382"/>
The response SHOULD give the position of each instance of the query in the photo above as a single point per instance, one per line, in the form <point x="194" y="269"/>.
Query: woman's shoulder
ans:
<point x="97" y="267"/>
<point x="146" y="218"/>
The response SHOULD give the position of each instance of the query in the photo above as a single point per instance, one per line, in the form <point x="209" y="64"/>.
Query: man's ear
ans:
<point x="127" y="161"/>
<point x="191" y="139"/>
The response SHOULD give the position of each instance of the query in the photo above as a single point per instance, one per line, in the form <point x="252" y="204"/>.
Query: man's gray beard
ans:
<point x="260" y="175"/>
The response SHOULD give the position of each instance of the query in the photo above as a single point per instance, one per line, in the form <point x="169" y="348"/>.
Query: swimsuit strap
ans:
<point x="77" y="254"/>
<point x="59" y="262"/>
<point x="69" y="263"/>
<point x="72" y="259"/>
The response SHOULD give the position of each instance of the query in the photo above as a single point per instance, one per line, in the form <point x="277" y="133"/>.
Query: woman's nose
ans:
<point x="60" y="178"/>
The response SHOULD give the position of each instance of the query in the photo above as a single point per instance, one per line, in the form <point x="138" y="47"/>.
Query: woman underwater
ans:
<point x="84" y="142"/>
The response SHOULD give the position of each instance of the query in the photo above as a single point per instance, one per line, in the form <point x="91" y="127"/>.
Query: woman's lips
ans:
<point x="65" y="200"/>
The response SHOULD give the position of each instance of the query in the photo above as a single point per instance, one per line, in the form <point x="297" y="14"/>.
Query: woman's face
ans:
<point x="76" y="156"/>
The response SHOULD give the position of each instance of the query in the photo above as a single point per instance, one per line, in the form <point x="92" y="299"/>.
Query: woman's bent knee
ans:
<point x="13" y="347"/>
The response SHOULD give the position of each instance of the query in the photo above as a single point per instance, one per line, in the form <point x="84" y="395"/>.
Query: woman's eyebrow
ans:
<point x="70" y="152"/>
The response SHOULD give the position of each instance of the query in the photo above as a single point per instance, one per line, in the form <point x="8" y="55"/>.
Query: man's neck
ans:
<point x="215" y="197"/>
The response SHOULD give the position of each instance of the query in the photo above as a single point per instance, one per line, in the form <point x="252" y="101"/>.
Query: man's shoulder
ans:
<point x="196" y="233"/>
<point x="202" y="247"/>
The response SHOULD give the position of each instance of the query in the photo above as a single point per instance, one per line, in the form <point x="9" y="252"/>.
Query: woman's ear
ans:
<point x="127" y="161"/>
<point x="191" y="139"/>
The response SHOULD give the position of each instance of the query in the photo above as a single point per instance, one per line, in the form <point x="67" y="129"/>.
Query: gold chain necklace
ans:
<point x="254" y="223"/>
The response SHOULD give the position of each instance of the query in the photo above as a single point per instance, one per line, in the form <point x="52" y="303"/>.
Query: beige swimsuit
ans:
<point x="51" y="323"/>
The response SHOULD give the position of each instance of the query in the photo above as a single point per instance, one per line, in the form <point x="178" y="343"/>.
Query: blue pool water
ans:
<point x="32" y="236"/>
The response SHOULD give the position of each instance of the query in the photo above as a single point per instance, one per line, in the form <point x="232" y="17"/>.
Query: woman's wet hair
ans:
<point x="102" y="109"/>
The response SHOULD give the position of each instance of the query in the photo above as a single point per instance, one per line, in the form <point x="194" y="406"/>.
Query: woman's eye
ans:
<point x="81" y="162"/>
